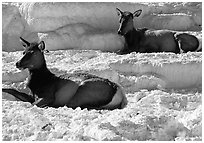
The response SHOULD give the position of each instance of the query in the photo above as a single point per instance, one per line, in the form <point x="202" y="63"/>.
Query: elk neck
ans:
<point x="40" y="77"/>
<point x="41" y="71"/>
<point x="132" y="38"/>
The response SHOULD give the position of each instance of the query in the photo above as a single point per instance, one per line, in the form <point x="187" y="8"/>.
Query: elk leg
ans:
<point x="43" y="102"/>
<point x="20" y="95"/>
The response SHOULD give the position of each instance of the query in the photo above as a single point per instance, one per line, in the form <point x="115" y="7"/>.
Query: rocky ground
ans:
<point x="164" y="101"/>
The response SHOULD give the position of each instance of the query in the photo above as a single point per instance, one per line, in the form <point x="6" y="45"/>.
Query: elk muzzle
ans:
<point x="119" y="32"/>
<point x="18" y="65"/>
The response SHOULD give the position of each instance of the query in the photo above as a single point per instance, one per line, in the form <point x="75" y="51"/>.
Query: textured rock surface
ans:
<point x="12" y="28"/>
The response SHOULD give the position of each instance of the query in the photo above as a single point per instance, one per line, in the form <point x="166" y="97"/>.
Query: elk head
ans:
<point x="126" y="20"/>
<point x="33" y="56"/>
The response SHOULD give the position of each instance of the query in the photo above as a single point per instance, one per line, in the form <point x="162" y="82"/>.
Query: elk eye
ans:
<point x="28" y="52"/>
<point x="31" y="52"/>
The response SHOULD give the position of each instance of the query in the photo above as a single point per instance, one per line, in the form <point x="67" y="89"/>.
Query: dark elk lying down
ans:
<point x="51" y="91"/>
<point x="146" y="41"/>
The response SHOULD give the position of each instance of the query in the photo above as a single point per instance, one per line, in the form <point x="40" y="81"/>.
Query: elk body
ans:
<point x="147" y="41"/>
<point x="92" y="92"/>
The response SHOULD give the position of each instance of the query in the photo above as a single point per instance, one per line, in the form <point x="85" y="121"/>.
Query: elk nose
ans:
<point x="119" y="32"/>
<point x="17" y="64"/>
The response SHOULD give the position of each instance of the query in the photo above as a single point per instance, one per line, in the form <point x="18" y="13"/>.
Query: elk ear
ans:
<point x="137" y="13"/>
<point x="119" y="12"/>
<point x="41" y="45"/>
<point x="24" y="42"/>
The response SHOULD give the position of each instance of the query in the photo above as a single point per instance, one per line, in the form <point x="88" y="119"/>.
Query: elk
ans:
<point x="49" y="90"/>
<point x="147" y="41"/>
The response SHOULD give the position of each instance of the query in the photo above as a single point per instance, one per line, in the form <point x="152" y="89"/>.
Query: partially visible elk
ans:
<point x="147" y="41"/>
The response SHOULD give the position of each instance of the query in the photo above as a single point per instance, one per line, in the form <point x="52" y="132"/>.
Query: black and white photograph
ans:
<point x="101" y="71"/>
